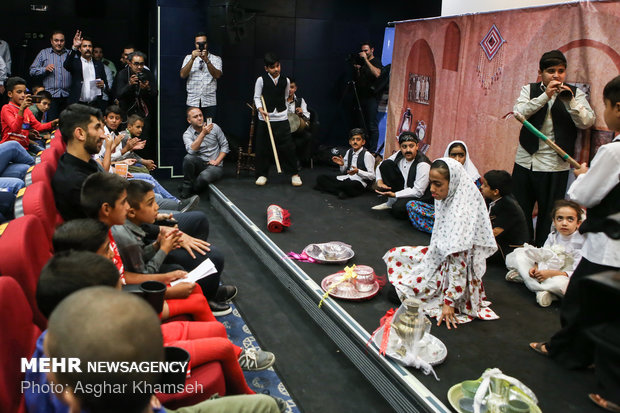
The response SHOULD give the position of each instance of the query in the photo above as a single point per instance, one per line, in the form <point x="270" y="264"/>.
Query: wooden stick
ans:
<point x="545" y="139"/>
<point x="273" y="142"/>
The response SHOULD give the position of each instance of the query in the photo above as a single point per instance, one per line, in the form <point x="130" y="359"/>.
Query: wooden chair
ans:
<point x="246" y="160"/>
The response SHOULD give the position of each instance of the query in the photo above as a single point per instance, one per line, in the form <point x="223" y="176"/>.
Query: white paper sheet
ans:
<point x="203" y="270"/>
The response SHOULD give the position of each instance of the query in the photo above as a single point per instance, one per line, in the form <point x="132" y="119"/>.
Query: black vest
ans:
<point x="564" y="129"/>
<point x="413" y="170"/>
<point x="361" y="165"/>
<point x="274" y="94"/>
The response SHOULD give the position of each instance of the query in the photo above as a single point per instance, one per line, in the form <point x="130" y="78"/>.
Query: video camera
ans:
<point x="355" y="59"/>
<point x="141" y="76"/>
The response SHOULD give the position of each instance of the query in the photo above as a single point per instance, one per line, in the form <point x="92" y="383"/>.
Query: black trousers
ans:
<point x="545" y="188"/>
<point x="331" y="184"/>
<point x="196" y="224"/>
<point x="284" y="145"/>
<point x="393" y="177"/>
<point x="303" y="145"/>
<point x="369" y="108"/>
<point x="570" y="346"/>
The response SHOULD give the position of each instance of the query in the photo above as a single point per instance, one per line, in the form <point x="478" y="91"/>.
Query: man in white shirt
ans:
<point x="202" y="69"/>
<point x="403" y="177"/>
<point x="558" y="110"/>
<point x="88" y="78"/>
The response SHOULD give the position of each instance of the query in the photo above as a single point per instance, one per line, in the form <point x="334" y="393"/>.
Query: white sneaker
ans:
<point x="544" y="298"/>
<point x="296" y="180"/>
<point x="381" y="207"/>
<point x="513" y="276"/>
<point x="262" y="180"/>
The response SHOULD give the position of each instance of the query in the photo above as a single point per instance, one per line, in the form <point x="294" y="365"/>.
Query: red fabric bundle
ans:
<point x="278" y="218"/>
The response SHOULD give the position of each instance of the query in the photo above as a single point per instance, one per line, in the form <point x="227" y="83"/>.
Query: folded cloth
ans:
<point x="278" y="218"/>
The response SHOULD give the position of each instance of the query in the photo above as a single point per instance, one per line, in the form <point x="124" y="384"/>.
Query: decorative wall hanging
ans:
<point x="491" y="59"/>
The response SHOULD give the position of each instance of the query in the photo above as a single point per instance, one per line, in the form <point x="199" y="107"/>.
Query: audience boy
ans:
<point x="39" y="110"/>
<point x="403" y="177"/>
<point x="117" y="314"/>
<point x="358" y="166"/>
<point x="135" y="124"/>
<point x="18" y="122"/>
<point x="506" y="215"/>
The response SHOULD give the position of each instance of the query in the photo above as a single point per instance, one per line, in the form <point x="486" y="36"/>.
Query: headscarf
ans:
<point x="462" y="221"/>
<point x="468" y="165"/>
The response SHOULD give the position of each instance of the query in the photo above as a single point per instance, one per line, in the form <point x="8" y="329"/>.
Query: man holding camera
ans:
<point x="202" y="69"/>
<point x="366" y="70"/>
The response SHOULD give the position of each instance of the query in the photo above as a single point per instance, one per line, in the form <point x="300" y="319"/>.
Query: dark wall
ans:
<point x="311" y="37"/>
<point x="110" y="23"/>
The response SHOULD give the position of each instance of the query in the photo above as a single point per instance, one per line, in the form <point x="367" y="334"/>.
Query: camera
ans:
<point x="202" y="46"/>
<point x="355" y="59"/>
<point x="141" y="76"/>
<point x="36" y="98"/>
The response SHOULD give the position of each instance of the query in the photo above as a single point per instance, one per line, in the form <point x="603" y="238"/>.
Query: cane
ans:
<point x="273" y="142"/>
<point x="545" y="139"/>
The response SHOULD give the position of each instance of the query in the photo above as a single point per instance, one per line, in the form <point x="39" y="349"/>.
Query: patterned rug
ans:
<point x="265" y="381"/>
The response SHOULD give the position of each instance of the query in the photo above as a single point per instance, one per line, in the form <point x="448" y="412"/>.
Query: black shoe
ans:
<point x="189" y="204"/>
<point x="219" y="309"/>
<point x="225" y="293"/>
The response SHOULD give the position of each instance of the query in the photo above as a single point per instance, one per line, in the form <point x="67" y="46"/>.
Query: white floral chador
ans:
<point x="450" y="269"/>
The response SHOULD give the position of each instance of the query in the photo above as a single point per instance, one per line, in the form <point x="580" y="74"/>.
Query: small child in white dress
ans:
<point x="547" y="270"/>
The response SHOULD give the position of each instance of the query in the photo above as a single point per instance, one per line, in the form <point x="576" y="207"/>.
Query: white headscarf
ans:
<point x="468" y="165"/>
<point x="462" y="221"/>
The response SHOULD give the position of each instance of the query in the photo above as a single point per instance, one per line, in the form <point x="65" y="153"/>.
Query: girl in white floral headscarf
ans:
<point x="459" y="151"/>
<point x="447" y="275"/>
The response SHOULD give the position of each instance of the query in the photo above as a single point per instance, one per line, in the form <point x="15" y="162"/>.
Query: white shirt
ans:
<point x="302" y="105"/>
<point x="588" y="190"/>
<point x="421" y="179"/>
<point x="361" y="176"/>
<point x="88" y="73"/>
<point x="201" y="85"/>
<point x="546" y="159"/>
<point x="274" y="116"/>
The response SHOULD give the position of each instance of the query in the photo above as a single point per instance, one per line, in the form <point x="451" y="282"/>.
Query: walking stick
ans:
<point x="545" y="139"/>
<point x="273" y="142"/>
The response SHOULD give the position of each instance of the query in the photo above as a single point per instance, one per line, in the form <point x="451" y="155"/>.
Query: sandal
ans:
<point x="540" y="348"/>
<point x="602" y="403"/>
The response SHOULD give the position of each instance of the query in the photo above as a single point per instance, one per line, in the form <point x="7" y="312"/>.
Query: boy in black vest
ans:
<point x="274" y="89"/>
<point x="358" y="166"/>
<point x="598" y="189"/>
<point x="403" y="177"/>
<point x="557" y="110"/>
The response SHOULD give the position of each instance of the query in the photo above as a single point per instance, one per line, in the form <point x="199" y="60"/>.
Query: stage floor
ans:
<point x="472" y="347"/>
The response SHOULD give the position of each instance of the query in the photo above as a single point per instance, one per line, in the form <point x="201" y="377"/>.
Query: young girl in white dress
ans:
<point x="447" y="275"/>
<point x="547" y="270"/>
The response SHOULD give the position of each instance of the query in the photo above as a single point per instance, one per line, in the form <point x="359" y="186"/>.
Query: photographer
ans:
<point x="135" y="90"/>
<point x="366" y="70"/>
<point x="202" y="69"/>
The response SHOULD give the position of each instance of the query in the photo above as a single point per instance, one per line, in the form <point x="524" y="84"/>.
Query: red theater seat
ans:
<point x="18" y="339"/>
<point x="209" y="375"/>
<point x="49" y="156"/>
<point x="37" y="199"/>
<point x="43" y="171"/>
<point x="25" y="249"/>
<point x="57" y="143"/>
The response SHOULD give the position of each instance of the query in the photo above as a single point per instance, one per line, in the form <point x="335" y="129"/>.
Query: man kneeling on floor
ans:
<point x="206" y="148"/>
<point x="403" y="177"/>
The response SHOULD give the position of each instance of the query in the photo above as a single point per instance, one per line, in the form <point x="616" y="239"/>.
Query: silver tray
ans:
<point x="315" y="251"/>
<point x="434" y="353"/>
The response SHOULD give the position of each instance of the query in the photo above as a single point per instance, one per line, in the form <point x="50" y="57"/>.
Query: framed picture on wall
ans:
<point x="418" y="88"/>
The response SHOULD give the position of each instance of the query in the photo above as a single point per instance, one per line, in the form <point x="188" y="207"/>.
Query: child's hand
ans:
<point x="139" y="145"/>
<point x="265" y="114"/>
<point x="191" y="244"/>
<point x="181" y="290"/>
<point x="54" y="123"/>
<point x="533" y="271"/>
<point x="447" y="314"/>
<point x="386" y="193"/>
<point x="170" y="241"/>
<point x="381" y="187"/>
<point x="149" y="163"/>
<point x="26" y="103"/>
<point x="338" y="160"/>
<point x="352" y="171"/>
<point x="168" y="277"/>
<point x="131" y="143"/>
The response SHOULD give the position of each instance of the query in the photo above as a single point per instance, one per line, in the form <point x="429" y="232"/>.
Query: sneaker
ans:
<point x="225" y="293"/>
<point x="544" y="298"/>
<point x="253" y="359"/>
<point x="296" y="180"/>
<point x="381" y="207"/>
<point x="219" y="309"/>
<point x="262" y="180"/>
<point x="513" y="276"/>
<point x="189" y="204"/>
